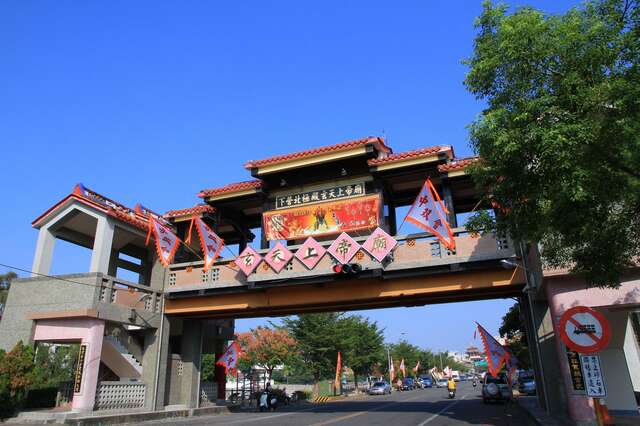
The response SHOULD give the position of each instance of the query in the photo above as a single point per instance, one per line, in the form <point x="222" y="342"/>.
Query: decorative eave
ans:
<point x="457" y="167"/>
<point x="232" y="190"/>
<point x="98" y="202"/>
<point x="320" y="155"/>
<point x="411" y="158"/>
<point x="186" y="214"/>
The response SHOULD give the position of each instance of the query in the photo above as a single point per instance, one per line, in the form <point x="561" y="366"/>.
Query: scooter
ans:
<point x="452" y="393"/>
<point x="267" y="402"/>
<point x="475" y="383"/>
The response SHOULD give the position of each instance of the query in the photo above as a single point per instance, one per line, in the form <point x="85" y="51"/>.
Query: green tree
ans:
<point x="5" y="285"/>
<point x="267" y="348"/>
<point x="407" y="351"/>
<point x="208" y="362"/>
<point x="364" y="345"/>
<point x="16" y="375"/>
<point x="512" y="328"/>
<point x="559" y="140"/>
<point x="53" y="365"/>
<point x="319" y="340"/>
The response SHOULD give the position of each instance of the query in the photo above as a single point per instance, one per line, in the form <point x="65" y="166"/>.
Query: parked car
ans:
<point x="495" y="388"/>
<point x="442" y="383"/>
<point x="425" y="382"/>
<point x="380" y="388"/>
<point x="527" y="386"/>
<point x="408" y="383"/>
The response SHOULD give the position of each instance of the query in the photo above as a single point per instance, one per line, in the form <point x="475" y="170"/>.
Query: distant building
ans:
<point x="473" y="354"/>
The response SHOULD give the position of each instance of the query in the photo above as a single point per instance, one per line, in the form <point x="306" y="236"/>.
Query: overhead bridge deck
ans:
<point x="421" y="271"/>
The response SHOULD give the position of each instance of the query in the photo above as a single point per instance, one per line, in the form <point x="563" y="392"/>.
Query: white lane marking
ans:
<point x="441" y="411"/>
<point x="359" y="413"/>
<point x="267" y="417"/>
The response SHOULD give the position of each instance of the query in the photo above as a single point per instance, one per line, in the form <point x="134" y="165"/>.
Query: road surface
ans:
<point x="421" y="407"/>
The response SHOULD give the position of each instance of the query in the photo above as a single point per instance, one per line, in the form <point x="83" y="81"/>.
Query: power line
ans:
<point x="48" y="276"/>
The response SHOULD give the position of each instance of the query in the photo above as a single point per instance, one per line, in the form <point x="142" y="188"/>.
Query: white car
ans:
<point x="442" y="383"/>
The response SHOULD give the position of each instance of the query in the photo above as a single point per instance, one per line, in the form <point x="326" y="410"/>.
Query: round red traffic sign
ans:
<point x="584" y="330"/>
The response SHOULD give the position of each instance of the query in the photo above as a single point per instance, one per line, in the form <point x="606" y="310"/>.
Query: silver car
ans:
<point x="380" y="388"/>
<point x="496" y="388"/>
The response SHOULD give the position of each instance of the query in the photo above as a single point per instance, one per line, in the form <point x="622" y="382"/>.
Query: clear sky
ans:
<point x="151" y="101"/>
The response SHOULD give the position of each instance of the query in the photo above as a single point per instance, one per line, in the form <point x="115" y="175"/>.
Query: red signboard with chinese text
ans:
<point x="320" y="219"/>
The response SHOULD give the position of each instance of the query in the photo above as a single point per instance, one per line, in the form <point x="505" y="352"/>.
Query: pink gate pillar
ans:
<point x="89" y="332"/>
<point x="566" y="292"/>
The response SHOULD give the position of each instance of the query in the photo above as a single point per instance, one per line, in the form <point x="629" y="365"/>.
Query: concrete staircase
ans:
<point x="116" y="356"/>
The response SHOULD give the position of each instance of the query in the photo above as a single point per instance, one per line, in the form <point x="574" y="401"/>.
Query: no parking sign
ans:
<point x="584" y="330"/>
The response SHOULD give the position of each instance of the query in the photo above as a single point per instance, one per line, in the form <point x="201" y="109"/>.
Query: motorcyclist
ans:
<point x="451" y="385"/>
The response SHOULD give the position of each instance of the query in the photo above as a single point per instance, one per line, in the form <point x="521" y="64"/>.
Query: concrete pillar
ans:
<point x="113" y="263"/>
<point x="154" y="364"/>
<point x="191" y="352"/>
<point x="44" y="252"/>
<point x="102" y="246"/>
<point x="220" y="374"/>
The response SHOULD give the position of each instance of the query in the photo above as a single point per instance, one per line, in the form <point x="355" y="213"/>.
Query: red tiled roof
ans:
<point x="456" y="165"/>
<point x="195" y="210"/>
<point x="417" y="153"/>
<point x="232" y="187"/>
<point x="379" y="142"/>
<point x="100" y="202"/>
<point x="129" y="217"/>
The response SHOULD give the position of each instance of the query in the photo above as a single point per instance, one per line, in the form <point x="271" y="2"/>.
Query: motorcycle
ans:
<point x="475" y="383"/>
<point x="267" y="402"/>
<point x="452" y="393"/>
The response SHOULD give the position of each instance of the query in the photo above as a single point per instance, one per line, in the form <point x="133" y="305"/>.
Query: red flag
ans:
<point x="392" y="369"/>
<point x="429" y="213"/>
<point x="166" y="241"/>
<point x="497" y="355"/>
<point x="415" y="369"/>
<point x="229" y="359"/>
<point x="210" y="242"/>
<point x="401" y="368"/>
<point x="338" y="370"/>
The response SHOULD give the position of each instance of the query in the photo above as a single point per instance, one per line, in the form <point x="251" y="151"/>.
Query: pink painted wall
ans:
<point x="88" y="331"/>
<point x="564" y="292"/>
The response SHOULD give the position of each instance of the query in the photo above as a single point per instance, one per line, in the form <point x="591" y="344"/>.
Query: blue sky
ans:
<point x="152" y="101"/>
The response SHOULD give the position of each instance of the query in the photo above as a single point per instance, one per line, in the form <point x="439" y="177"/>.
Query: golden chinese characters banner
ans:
<point x="320" y="219"/>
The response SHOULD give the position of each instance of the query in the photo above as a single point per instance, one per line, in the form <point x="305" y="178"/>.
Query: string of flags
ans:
<point x="166" y="241"/>
<point x="210" y="242"/>
<point x="427" y="212"/>
<point x="379" y="245"/>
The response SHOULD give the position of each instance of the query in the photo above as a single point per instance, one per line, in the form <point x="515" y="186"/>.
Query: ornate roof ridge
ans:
<point x="231" y="187"/>
<point x="415" y="153"/>
<point x="321" y="150"/>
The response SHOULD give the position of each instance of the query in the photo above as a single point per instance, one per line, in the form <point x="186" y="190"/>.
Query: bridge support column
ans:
<point x="191" y="354"/>
<point x="544" y="356"/>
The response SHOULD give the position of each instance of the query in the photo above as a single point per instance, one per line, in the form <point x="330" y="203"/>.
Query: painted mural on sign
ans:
<point x="323" y="219"/>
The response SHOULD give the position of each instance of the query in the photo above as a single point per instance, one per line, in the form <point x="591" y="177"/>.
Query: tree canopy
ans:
<point x="512" y="327"/>
<point x="559" y="140"/>
<point x="5" y="285"/>
<point x="318" y="337"/>
<point x="267" y="348"/>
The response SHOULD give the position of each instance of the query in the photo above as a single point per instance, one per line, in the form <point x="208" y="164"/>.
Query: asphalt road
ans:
<point x="416" y="408"/>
